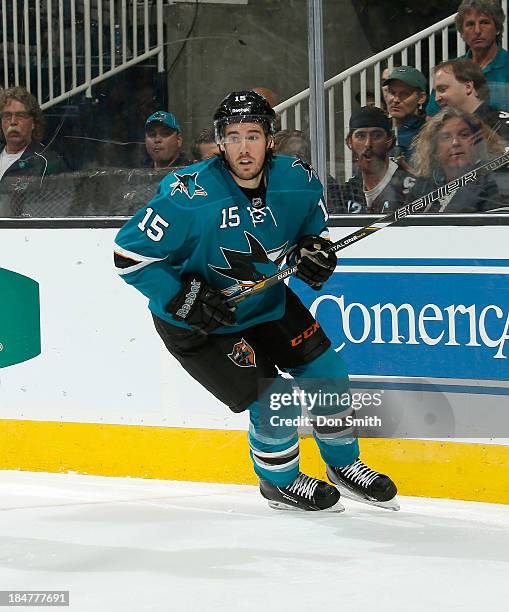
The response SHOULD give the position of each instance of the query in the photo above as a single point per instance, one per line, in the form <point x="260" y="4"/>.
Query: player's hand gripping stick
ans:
<point x="200" y="306"/>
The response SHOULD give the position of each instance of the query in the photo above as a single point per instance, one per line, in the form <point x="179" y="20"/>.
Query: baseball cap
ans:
<point x="409" y="75"/>
<point x="163" y="117"/>
<point x="369" y="117"/>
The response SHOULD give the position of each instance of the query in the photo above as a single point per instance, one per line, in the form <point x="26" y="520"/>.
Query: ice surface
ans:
<point x="138" y="545"/>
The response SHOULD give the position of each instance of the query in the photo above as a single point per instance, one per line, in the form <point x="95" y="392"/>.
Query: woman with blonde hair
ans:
<point x="450" y="144"/>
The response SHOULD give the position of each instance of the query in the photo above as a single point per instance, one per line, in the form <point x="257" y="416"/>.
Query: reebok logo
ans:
<point x="20" y="329"/>
<point x="184" y="310"/>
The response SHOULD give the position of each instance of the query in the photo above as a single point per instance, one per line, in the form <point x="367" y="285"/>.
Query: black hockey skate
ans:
<point x="359" y="482"/>
<point x="304" y="493"/>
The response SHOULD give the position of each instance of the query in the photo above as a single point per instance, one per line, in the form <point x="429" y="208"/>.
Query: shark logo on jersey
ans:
<point x="187" y="183"/>
<point x="305" y="166"/>
<point x="355" y="207"/>
<point x="243" y="355"/>
<point x="250" y="267"/>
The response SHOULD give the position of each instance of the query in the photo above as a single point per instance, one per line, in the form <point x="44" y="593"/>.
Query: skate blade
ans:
<point x="391" y="504"/>
<point x="338" y="507"/>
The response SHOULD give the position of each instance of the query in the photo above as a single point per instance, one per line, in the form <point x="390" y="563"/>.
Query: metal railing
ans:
<point x="59" y="48"/>
<point x="419" y="50"/>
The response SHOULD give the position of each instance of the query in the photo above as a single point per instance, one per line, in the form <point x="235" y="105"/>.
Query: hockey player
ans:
<point x="221" y="225"/>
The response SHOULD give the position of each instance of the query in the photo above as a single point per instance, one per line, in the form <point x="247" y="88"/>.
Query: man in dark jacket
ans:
<point x="462" y="84"/>
<point x="381" y="184"/>
<point x="24" y="161"/>
<point x="451" y="144"/>
<point x="163" y="141"/>
<point x="406" y="93"/>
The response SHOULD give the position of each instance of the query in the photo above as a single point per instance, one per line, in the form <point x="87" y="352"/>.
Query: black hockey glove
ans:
<point x="314" y="266"/>
<point x="200" y="305"/>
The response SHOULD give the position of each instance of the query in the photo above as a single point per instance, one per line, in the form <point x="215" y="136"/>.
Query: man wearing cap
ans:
<point x="163" y="141"/>
<point x="381" y="184"/>
<point x="406" y="91"/>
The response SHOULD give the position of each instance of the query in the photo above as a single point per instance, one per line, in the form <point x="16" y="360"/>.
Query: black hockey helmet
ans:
<point x="244" y="106"/>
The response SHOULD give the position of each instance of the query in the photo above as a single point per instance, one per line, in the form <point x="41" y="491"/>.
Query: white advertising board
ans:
<point x="101" y="360"/>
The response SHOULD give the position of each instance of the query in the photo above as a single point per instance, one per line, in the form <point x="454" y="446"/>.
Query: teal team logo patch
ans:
<point x="20" y="328"/>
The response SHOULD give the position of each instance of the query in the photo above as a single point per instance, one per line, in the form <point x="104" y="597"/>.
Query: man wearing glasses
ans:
<point x="22" y="154"/>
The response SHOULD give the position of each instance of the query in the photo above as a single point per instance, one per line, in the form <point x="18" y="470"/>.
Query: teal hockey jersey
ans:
<point x="200" y="221"/>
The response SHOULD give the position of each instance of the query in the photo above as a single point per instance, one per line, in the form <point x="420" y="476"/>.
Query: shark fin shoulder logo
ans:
<point x="243" y="355"/>
<point x="187" y="184"/>
<point x="305" y="166"/>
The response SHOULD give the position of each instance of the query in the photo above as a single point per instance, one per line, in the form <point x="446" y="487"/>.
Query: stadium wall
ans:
<point x="92" y="390"/>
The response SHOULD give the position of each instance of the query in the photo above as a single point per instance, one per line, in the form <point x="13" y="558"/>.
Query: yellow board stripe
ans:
<point x="420" y="467"/>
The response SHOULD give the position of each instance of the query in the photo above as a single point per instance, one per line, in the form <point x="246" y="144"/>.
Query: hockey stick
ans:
<point x="400" y="213"/>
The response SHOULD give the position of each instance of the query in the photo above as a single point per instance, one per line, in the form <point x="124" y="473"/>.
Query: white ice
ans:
<point x="136" y="545"/>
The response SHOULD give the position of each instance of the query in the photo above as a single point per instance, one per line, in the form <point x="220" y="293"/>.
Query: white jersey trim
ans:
<point x="142" y="260"/>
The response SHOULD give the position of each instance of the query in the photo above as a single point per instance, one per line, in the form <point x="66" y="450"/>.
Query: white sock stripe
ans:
<point x="334" y="435"/>
<point x="280" y="467"/>
<point x="283" y="453"/>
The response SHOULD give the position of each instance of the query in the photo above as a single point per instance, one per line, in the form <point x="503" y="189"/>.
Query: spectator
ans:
<point x="272" y="98"/>
<point x="452" y="143"/>
<point x="295" y="144"/>
<point x="461" y="84"/>
<point x="24" y="161"/>
<point x="381" y="184"/>
<point x="370" y="98"/>
<point x="406" y="89"/>
<point x="481" y="24"/>
<point x="163" y="141"/>
<point x="385" y="88"/>
<point x="22" y="153"/>
<point x="204" y="146"/>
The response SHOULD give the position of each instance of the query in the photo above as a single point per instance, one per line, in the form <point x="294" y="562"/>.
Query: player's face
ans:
<point x="245" y="147"/>
<point x="449" y="91"/>
<point x="163" y="144"/>
<point x="479" y="31"/>
<point x="455" y="147"/>
<point x="17" y="126"/>
<point x="403" y="100"/>
<point x="370" y="147"/>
